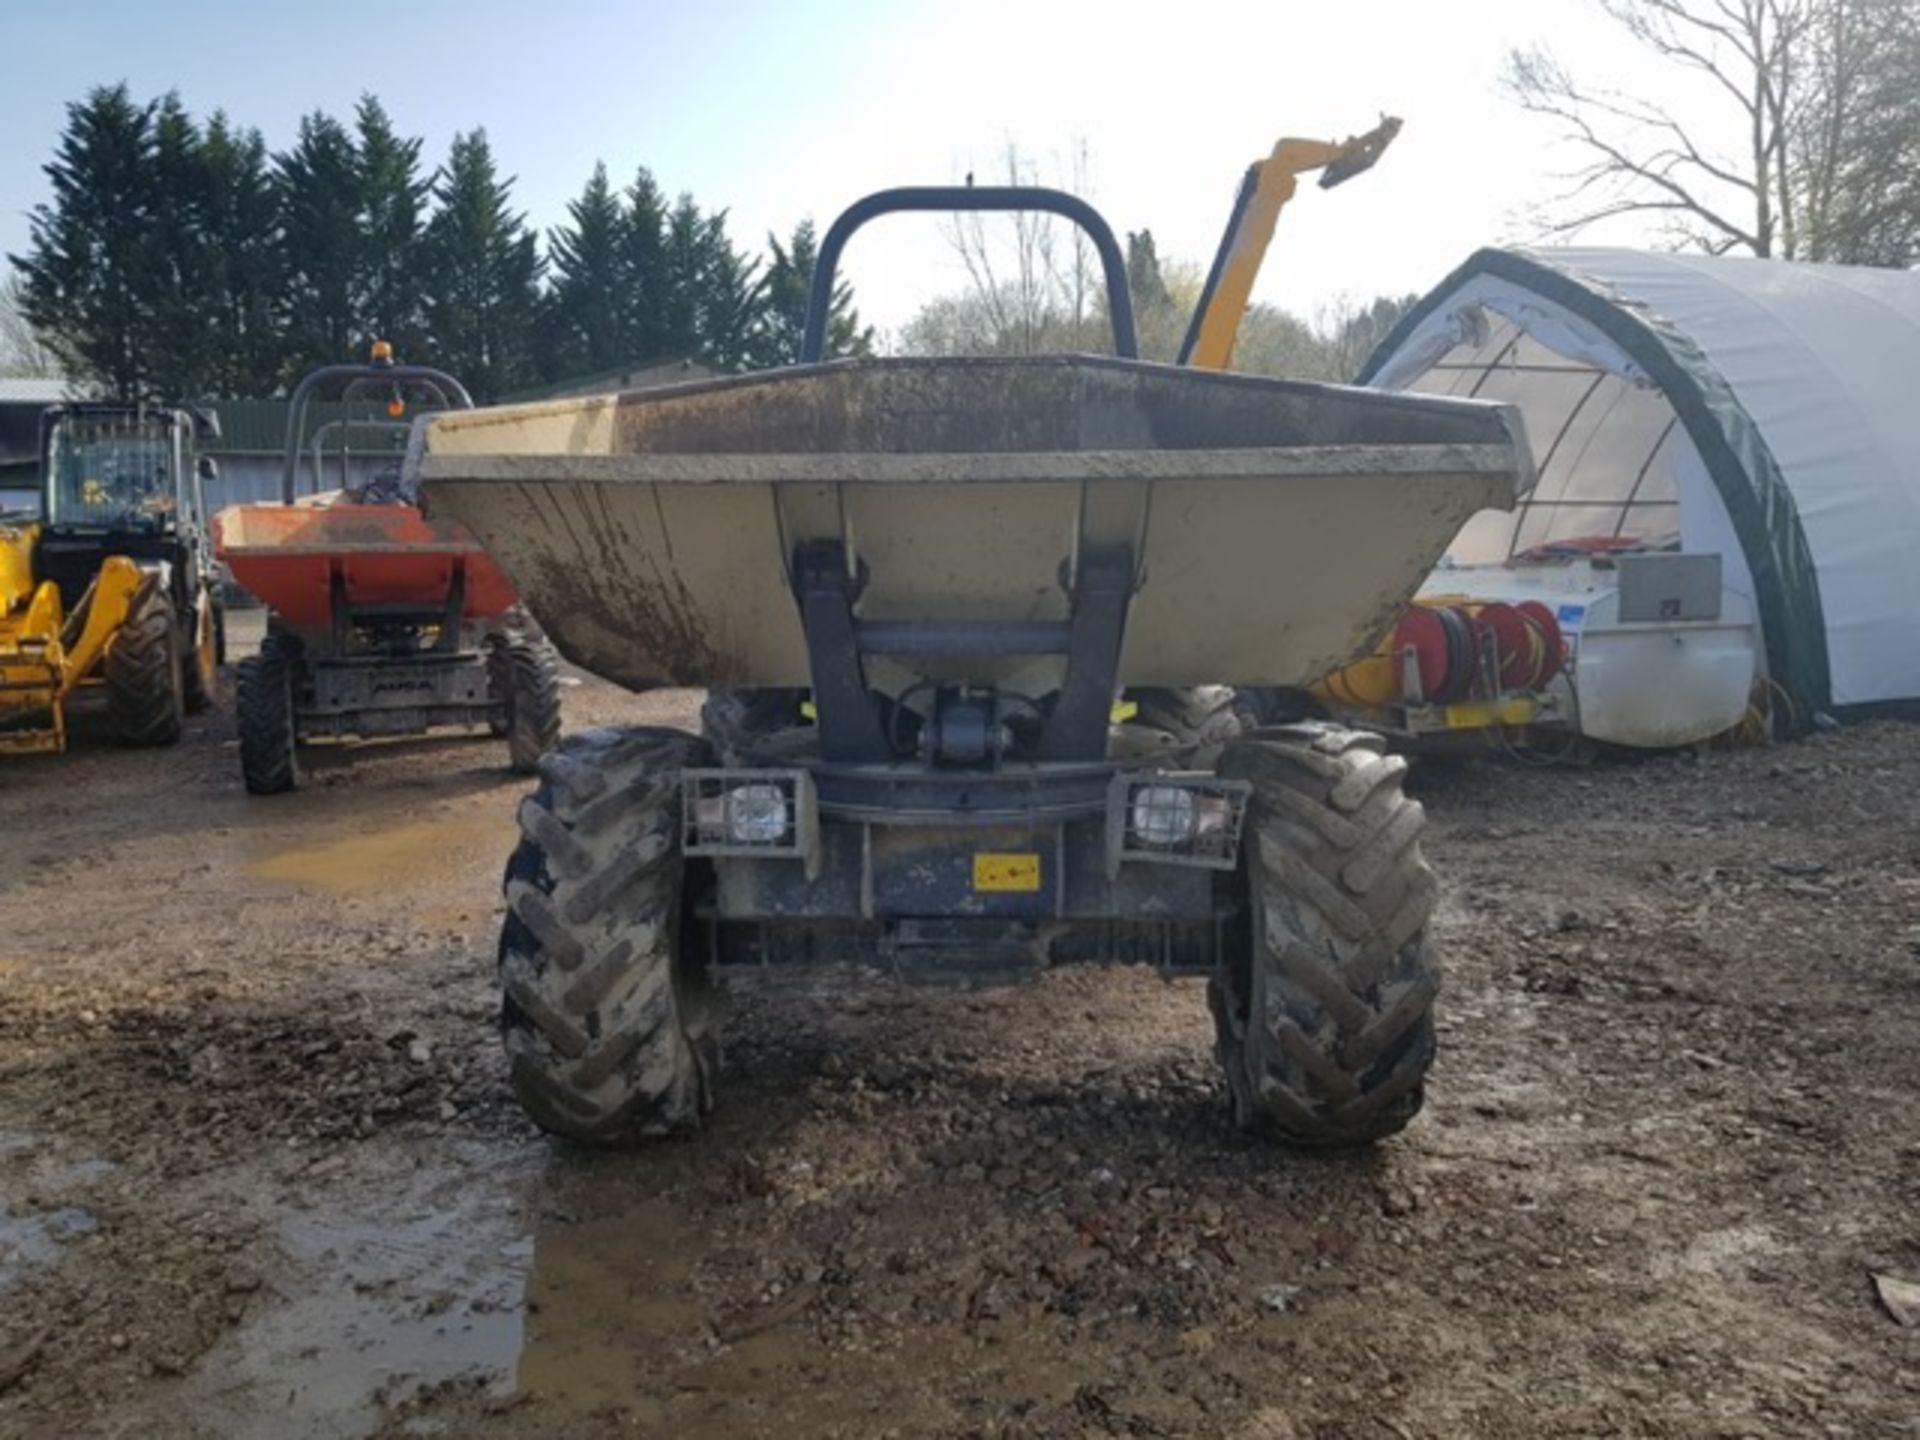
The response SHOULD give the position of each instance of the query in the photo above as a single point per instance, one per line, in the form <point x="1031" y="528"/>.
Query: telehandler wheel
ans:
<point x="1195" y="723"/>
<point x="608" y="1024"/>
<point x="145" y="672"/>
<point x="1325" y="1020"/>
<point x="523" y="672"/>
<point x="202" y="666"/>
<point x="263" y="706"/>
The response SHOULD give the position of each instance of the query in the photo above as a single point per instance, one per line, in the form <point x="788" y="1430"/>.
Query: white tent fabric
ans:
<point x="1774" y="402"/>
<point x="1610" y="454"/>
<point x="1826" y="360"/>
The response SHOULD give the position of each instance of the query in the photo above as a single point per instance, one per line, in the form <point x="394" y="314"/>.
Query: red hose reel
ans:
<point x="1470" y="648"/>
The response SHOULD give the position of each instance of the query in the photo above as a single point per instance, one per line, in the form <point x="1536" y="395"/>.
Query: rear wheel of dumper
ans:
<point x="747" y="727"/>
<point x="499" y="684"/>
<point x="1324" y="1016"/>
<point x="145" y="673"/>
<point x="1191" y="726"/>
<point x="608" y="1026"/>
<point x="523" y="672"/>
<point x="263" y="707"/>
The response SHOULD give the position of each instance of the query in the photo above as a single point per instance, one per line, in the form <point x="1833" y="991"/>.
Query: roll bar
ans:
<point x="1126" y="343"/>
<point x="349" y="379"/>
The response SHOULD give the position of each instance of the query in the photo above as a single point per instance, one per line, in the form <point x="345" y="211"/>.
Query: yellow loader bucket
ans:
<point x="45" y="656"/>
<point x="30" y="654"/>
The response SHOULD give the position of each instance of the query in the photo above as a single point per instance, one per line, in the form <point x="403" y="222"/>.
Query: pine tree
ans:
<point x="238" y="222"/>
<point x="482" y="275"/>
<point x="675" y="308"/>
<point x="643" y="243"/>
<point x="728" y="299"/>
<point x="87" y="251"/>
<point x="181" y="350"/>
<point x="1159" y="318"/>
<point x="1143" y="270"/>
<point x="393" y="197"/>
<point x="589" y="261"/>
<point x="318" y="184"/>
<point x="184" y="261"/>
<point x="788" y="283"/>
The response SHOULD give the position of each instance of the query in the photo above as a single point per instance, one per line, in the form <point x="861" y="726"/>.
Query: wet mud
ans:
<point x="260" y="1174"/>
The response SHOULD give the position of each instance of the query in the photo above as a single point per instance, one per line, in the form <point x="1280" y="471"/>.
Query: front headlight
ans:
<point x="756" y="814"/>
<point x="751" y="814"/>
<point x="1163" y="814"/>
<point x="1175" y="819"/>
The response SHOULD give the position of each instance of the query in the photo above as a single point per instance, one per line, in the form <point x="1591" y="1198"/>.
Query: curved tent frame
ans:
<point x="1743" y="469"/>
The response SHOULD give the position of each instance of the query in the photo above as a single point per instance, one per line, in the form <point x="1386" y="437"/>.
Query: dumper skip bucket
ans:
<point x="1276" y="528"/>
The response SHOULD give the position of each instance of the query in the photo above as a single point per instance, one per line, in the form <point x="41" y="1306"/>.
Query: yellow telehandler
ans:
<point x="1264" y="192"/>
<point x="108" y="584"/>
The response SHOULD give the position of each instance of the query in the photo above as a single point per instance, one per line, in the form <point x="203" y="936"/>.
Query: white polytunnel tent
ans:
<point x="1764" y="411"/>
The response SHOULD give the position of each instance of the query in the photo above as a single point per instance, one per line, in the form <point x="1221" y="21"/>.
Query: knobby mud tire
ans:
<point x="145" y="672"/>
<point x="263" y="702"/>
<point x="525" y="673"/>
<point x="609" y="1027"/>
<point x="1186" y="727"/>
<point x="1324" y="1017"/>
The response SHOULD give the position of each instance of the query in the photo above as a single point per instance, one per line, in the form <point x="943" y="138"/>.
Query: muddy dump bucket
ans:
<point x="297" y="557"/>
<point x="1274" y="528"/>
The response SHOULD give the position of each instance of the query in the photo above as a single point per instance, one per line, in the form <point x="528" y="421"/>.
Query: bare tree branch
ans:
<point x="1028" y="292"/>
<point x="1746" y="53"/>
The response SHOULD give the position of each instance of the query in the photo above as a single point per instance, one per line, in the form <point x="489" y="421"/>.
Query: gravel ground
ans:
<point x="259" y="1175"/>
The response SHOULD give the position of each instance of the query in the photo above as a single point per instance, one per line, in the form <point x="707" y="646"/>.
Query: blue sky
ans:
<point x="776" y="111"/>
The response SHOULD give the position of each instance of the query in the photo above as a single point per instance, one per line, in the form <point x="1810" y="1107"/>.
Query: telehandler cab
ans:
<point x="109" y="583"/>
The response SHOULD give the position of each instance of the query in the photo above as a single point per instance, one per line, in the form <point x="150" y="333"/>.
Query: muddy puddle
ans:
<point x="44" y="1206"/>
<point x="376" y="1295"/>
<point x="32" y="1240"/>
<point x="377" y="860"/>
<point x="605" y="1296"/>
<point x="498" y="1276"/>
<point x="537" y="1293"/>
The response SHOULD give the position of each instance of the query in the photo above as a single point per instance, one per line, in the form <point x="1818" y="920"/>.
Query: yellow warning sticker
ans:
<point x="1002" y="872"/>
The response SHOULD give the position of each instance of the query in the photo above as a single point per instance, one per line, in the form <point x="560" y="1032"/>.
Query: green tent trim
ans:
<point x="1761" y="507"/>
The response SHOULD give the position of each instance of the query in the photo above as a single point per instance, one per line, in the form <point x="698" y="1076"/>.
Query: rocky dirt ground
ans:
<point x="259" y="1175"/>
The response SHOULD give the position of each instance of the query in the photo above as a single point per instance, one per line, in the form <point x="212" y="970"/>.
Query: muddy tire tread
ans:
<point x="1192" y="725"/>
<point x="1325" y="1028"/>
<point x="608" y="1033"/>
<point x="743" y="726"/>
<point x="527" y="669"/>
<point x="263" y="714"/>
<point x="144" y="672"/>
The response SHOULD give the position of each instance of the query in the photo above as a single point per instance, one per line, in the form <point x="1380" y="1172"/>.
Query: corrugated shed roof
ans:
<point x="34" y="390"/>
<point x="247" y="427"/>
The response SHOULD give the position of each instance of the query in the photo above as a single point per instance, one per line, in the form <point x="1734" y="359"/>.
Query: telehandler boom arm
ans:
<point x="44" y="655"/>
<point x="98" y="617"/>
<point x="1264" y="193"/>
